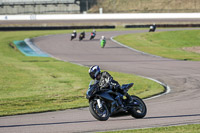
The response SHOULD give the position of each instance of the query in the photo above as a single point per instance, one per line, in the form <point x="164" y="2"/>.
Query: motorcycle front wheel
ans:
<point x="139" y="110"/>
<point x="101" y="114"/>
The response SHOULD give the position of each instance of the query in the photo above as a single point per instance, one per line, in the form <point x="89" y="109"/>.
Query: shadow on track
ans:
<point x="114" y="47"/>
<point x="40" y="124"/>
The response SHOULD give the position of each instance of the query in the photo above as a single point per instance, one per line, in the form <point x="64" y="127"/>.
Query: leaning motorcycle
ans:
<point x="152" y="28"/>
<point x="93" y="34"/>
<point x="81" y="36"/>
<point x="73" y="35"/>
<point x="102" y="43"/>
<point x="103" y="103"/>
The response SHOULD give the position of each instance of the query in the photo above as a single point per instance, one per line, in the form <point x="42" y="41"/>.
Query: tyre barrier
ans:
<point x="163" y="25"/>
<point x="22" y="28"/>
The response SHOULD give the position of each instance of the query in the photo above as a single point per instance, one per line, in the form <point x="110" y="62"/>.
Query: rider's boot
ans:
<point x="129" y="98"/>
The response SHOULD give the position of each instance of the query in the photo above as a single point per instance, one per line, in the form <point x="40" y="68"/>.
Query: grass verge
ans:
<point x="170" y="44"/>
<point x="33" y="84"/>
<point x="145" y="6"/>
<point x="194" y="128"/>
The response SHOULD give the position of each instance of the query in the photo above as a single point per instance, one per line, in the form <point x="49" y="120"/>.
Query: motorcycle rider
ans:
<point x="152" y="28"/>
<point x="103" y="41"/>
<point x="73" y="35"/>
<point x="82" y="35"/>
<point x="74" y="32"/>
<point x="105" y="80"/>
<point x="93" y="34"/>
<point x="103" y="38"/>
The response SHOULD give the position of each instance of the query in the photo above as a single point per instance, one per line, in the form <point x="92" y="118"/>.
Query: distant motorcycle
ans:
<point x="73" y="35"/>
<point x="103" y="103"/>
<point x="152" y="28"/>
<point x="93" y="34"/>
<point x="81" y="36"/>
<point x="103" y="42"/>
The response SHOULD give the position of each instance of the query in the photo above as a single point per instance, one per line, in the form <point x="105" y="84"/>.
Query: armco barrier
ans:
<point x="55" y="28"/>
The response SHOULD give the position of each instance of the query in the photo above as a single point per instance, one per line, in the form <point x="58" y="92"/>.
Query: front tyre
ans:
<point x="139" y="109"/>
<point x="101" y="114"/>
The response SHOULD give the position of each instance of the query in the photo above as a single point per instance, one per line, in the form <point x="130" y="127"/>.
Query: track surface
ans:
<point x="180" y="106"/>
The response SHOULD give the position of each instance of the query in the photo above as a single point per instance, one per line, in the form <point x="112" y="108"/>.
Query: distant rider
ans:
<point x="74" y="33"/>
<point x="103" y="41"/>
<point x="93" y="33"/>
<point x="152" y="28"/>
<point x="83" y="34"/>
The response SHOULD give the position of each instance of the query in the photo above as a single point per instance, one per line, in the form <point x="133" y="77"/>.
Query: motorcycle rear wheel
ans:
<point x="101" y="114"/>
<point x="140" y="110"/>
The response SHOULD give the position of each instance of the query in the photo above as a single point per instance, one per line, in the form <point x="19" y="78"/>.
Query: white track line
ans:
<point x="167" y="88"/>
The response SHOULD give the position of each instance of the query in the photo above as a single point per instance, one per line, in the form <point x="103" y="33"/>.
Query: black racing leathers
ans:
<point x="107" y="81"/>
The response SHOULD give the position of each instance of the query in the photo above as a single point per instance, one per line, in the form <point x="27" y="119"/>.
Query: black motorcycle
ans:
<point x="152" y="28"/>
<point x="81" y="36"/>
<point x="104" y="103"/>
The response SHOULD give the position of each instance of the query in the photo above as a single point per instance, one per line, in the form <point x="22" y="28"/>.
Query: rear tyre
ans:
<point x="101" y="114"/>
<point x="139" y="110"/>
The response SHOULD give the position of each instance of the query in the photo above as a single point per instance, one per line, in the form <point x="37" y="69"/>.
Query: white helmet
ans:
<point x="103" y="37"/>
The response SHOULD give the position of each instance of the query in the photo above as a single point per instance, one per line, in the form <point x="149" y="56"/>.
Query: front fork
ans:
<point x="99" y="103"/>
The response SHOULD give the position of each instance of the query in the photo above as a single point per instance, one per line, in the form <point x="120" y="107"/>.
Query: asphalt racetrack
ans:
<point x="180" y="106"/>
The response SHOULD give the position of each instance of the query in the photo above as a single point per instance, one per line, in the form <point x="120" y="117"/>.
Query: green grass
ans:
<point x="194" y="128"/>
<point x="33" y="84"/>
<point x="145" y="6"/>
<point x="166" y="44"/>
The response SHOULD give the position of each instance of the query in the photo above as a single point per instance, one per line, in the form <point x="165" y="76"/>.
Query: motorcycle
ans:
<point x="152" y="28"/>
<point x="103" y="103"/>
<point x="73" y="35"/>
<point x="102" y="43"/>
<point x="81" y="36"/>
<point x="93" y="34"/>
